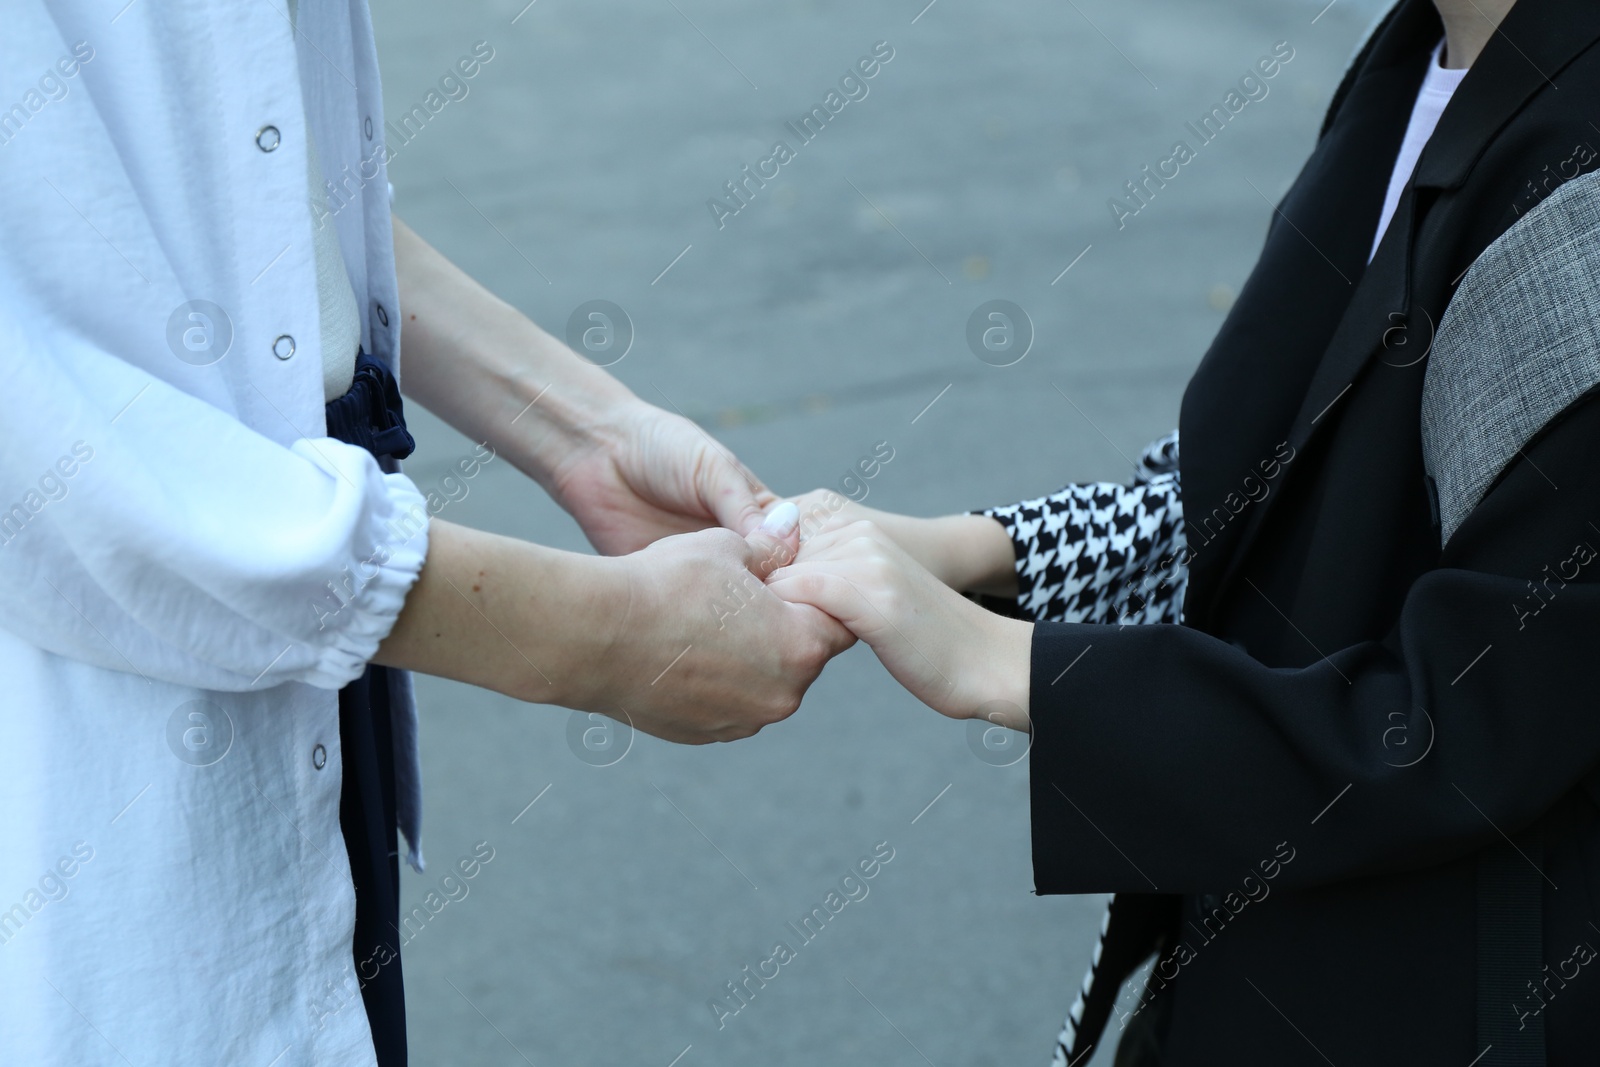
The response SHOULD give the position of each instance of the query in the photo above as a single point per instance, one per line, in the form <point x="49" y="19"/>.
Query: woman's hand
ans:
<point x="681" y="639"/>
<point x="703" y="650"/>
<point x="650" y="473"/>
<point x="954" y="656"/>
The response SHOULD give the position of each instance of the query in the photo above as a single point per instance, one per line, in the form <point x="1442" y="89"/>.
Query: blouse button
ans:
<point x="319" y="757"/>
<point x="268" y="138"/>
<point x="283" y="347"/>
<point x="367" y="127"/>
<point x="383" y="316"/>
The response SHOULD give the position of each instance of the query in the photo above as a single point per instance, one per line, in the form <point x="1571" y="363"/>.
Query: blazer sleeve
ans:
<point x="161" y="536"/>
<point x="1167" y="759"/>
<point x="1102" y="552"/>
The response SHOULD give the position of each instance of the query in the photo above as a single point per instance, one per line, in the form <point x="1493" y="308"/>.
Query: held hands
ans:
<point x="954" y="656"/>
<point x="887" y="579"/>
<point x="647" y="474"/>
<point x="642" y="638"/>
<point x="683" y="666"/>
<point x="647" y="488"/>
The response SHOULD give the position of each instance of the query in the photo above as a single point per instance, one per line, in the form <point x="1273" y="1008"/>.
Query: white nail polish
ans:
<point x="781" y="520"/>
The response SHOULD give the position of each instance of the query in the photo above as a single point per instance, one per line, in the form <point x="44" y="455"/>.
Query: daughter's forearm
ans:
<point x="954" y="656"/>
<point x="969" y="553"/>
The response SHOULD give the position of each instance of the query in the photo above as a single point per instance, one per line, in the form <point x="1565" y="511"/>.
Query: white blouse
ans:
<point x="337" y="312"/>
<point x="189" y="568"/>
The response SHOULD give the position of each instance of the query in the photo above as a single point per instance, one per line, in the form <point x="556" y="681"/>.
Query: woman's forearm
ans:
<point x="488" y="370"/>
<point x="482" y="611"/>
<point x="680" y="639"/>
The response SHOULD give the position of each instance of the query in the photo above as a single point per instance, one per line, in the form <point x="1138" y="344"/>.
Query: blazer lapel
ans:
<point x="1537" y="40"/>
<point x="1377" y="320"/>
<point x="1533" y="45"/>
<point x="1239" y="409"/>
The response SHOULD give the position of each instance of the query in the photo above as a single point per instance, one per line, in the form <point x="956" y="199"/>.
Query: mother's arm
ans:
<point x="647" y="638"/>
<point x="627" y="471"/>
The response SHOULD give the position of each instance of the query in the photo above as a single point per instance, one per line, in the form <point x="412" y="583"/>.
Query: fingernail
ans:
<point x="781" y="520"/>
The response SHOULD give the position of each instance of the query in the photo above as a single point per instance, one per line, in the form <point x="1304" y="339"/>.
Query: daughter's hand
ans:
<point x="970" y="553"/>
<point x="825" y="510"/>
<point x="954" y="656"/>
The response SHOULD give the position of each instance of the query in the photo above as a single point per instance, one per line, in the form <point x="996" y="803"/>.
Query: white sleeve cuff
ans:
<point x="357" y="611"/>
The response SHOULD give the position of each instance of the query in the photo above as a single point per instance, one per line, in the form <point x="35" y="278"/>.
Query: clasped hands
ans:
<point x="647" y="632"/>
<point x="722" y="604"/>
<point x="727" y="628"/>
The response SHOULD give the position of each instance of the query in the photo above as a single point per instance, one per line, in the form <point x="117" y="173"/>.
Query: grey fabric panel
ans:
<point x="1519" y="342"/>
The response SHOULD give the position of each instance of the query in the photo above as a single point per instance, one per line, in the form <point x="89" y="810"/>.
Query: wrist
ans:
<point x="934" y="543"/>
<point x="969" y="553"/>
<point x="481" y="612"/>
<point x="592" y="641"/>
<point x="555" y="407"/>
<point x="1002" y="667"/>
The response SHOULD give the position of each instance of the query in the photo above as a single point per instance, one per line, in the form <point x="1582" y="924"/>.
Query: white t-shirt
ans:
<point x="1437" y="89"/>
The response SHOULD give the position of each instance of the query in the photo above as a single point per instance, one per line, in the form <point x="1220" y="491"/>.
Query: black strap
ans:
<point x="1137" y="925"/>
<point x="1510" y="943"/>
<point x="367" y="820"/>
<point x="371" y="414"/>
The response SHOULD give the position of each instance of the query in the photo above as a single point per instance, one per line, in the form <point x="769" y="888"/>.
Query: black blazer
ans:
<point x="1296" y="786"/>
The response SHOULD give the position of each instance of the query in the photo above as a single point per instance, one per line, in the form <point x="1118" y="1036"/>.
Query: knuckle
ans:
<point x="791" y="657"/>
<point x="803" y="658"/>
<point x="812" y="586"/>
<point x="783" y="706"/>
<point x="723" y="540"/>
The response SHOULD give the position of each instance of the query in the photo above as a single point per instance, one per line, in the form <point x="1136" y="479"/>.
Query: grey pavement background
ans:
<point x="822" y="318"/>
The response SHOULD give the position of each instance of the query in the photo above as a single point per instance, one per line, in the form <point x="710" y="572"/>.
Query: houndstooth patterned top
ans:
<point x="1104" y="552"/>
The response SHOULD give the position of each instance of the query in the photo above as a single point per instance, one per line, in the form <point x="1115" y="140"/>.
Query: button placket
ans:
<point x="268" y="138"/>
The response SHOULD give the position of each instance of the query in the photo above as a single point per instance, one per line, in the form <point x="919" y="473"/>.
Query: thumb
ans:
<point x="736" y="496"/>
<point x="774" y="542"/>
